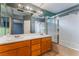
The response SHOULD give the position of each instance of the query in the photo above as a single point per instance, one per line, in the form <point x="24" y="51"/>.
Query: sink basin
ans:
<point x="6" y="39"/>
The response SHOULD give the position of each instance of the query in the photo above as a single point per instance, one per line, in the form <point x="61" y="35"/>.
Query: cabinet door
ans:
<point x="35" y="47"/>
<point x="9" y="53"/>
<point x="49" y="43"/>
<point x="43" y="48"/>
<point x="24" y="51"/>
<point x="46" y="44"/>
<point x="36" y="50"/>
<point x="43" y="45"/>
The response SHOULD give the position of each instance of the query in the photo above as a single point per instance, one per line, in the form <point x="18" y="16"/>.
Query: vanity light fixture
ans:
<point x="29" y="9"/>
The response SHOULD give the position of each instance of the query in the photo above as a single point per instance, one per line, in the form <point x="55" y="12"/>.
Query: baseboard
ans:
<point x="68" y="44"/>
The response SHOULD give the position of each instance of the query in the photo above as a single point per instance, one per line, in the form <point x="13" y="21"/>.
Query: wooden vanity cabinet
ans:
<point x="34" y="47"/>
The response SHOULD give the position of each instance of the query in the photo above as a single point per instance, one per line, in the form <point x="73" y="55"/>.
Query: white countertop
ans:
<point x="12" y="38"/>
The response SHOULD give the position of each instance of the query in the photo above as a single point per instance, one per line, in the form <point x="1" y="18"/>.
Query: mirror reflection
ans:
<point x="4" y="25"/>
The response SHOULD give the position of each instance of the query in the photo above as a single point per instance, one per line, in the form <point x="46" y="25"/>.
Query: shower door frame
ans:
<point x="57" y="29"/>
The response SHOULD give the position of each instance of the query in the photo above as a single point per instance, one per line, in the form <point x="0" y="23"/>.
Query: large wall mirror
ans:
<point x="11" y="20"/>
<point x="4" y="20"/>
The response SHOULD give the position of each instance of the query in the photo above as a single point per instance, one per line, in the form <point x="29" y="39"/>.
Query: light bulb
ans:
<point x="27" y="7"/>
<point x="31" y="9"/>
<point x="40" y="12"/>
<point x="19" y="5"/>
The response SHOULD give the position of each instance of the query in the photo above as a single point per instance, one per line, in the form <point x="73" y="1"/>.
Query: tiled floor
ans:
<point x="59" y="50"/>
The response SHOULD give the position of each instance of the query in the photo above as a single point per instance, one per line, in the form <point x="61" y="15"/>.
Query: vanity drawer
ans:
<point x="36" y="47"/>
<point x="36" y="53"/>
<point x="35" y="41"/>
<point x="23" y="43"/>
<point x="49" y="38"/>
<point x="7" y="47"/>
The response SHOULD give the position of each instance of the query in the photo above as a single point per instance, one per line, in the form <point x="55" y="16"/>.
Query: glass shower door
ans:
<point x="52" y="25"/>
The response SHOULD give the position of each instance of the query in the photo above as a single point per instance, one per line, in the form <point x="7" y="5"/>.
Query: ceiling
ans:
<point x="55" y="7"/>
<point x="52" y="7"/>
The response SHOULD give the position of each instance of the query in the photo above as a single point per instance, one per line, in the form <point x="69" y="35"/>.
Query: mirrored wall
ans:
<point x="4" y="20"/>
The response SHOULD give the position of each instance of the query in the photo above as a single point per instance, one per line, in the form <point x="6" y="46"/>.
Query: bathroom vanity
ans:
<point x="25" y="45"/>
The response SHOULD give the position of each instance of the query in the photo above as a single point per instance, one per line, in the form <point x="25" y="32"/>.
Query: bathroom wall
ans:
<point x="69" y="31"/>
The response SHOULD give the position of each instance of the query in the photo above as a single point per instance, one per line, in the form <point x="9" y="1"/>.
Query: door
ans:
<point x="43" y="45"/>
<point x="49" y="43"/>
